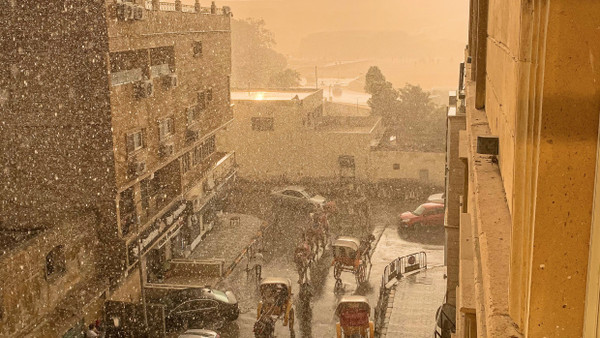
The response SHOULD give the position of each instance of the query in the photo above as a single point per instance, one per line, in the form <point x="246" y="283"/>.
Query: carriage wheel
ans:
<point x="337" y="270"/>
<point x="338" y="285"/>
<point x="291" y="324"/>
<point x="361" y="274"/>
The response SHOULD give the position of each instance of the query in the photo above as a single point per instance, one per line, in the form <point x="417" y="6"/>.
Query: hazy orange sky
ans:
<point x="291" y="20"/>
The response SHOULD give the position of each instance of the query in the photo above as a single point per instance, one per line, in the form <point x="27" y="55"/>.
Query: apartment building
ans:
<point x="288" y="134"/>
<point x="110" y="111"/>
<point x="528" y="211"/>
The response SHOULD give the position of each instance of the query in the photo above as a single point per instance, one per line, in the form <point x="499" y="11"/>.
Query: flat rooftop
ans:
<point x="270" y="95"/>
<point x="348" y="124"/>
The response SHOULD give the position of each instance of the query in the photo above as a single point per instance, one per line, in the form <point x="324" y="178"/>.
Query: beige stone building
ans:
<point x="294" y="134"/>
<point x="528" y="224"/>
<point x="109" y="116"/>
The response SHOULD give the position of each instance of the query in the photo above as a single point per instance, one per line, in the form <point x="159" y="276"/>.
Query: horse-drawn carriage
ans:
<point x="354" y="313"/>
<point x="276" y="303"/>
<point x="351" y="255"/>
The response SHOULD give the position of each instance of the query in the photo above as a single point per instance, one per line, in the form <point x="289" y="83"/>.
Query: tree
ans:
<point x="285" y="79"/>
<point x="384" y="98"/>
<point x="253" y="59"/>
<point x="414" y="101"/>
<point x="374" y="80"/>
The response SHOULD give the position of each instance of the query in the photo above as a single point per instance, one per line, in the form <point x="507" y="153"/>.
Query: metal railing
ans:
<point x="395" y="270"/>
<point x="166" y="6"/>
<point x="185" y="8"/>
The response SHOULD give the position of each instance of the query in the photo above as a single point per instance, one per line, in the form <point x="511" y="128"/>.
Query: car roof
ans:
<point x="182" y="295"/>
<point x="431" y="205"/>
<point x="293" y="187"/>
<point x="197" y="333"/>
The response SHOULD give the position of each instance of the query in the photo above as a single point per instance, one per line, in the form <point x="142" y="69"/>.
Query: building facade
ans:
<point x="110" y="112"/>
<point x="528" y="266"/>
<point x="294" y="134"/>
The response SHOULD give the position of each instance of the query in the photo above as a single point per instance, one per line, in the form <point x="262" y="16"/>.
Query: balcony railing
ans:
<point x="186" y="8"/>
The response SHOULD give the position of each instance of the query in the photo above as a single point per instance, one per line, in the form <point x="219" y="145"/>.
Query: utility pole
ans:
<point x="142" y="291"/>
<point x="316" y="78"/>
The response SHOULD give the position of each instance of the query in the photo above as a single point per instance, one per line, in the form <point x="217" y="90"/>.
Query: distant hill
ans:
<point x="344" y="45"/>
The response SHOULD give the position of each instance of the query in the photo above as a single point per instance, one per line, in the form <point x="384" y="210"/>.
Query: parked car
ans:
<point x="427" y="214"/>
<point x="198" y="307"/>
<point x="297" y="197"/>
<point x="445" y="322"/>
<point x="199" y="333"/>
<point x="437" y="198"/>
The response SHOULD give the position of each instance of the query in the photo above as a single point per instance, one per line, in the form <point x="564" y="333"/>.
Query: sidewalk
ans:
<point x="413" y="303"/>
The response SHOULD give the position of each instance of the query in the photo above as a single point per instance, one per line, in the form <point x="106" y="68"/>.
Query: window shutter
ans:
<point x="143" y="136"/>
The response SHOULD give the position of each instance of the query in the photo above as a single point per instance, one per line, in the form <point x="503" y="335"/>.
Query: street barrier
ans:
<point x="395" y="270"/>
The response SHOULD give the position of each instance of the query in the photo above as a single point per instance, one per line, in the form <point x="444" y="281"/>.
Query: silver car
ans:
<point x="297" y="197"/>
<point x="199" y="333"/>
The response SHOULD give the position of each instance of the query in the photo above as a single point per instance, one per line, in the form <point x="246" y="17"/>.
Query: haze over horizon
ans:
<point x="291" y="21"/>
<point x="420" y="43"/>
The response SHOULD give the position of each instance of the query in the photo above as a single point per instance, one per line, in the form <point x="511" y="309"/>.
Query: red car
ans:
<point x="426" y="214"/>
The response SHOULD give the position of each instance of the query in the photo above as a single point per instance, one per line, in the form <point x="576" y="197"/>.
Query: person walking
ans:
<point x="255" y="263"/>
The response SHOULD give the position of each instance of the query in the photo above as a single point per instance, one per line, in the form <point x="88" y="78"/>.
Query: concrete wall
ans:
<point x="409" y="164"/>
<point x="56" y="125"/>
<point x="27" y="295"/>
<point x="537" y="82"/>
<point x="455" y="192"/>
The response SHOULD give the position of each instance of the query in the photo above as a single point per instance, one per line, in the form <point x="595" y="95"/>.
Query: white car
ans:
<point x="297" y="197"/>
<point x="199" y="333"/>
<point x="437" y="198"/>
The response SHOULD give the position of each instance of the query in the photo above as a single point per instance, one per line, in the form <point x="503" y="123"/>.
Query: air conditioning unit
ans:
<point x="142" y="89"/>
<point x="170" y="81"/>
<point x="138" y="12"/>
<point x="167" y="149"/>
<point x="137" y="168"/>
<point x="192" y="135"/>
<point x="125" y="11"/>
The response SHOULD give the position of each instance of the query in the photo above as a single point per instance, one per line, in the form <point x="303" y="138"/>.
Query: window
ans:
<point x="193" y="114"/>
<point x="162" y="61"/>
<point x="135" y="141"/>
<point x="396" y="166"/>
<point x="127" y="211"/>
<point x="262" y="123"/>
<point x="197" y="155"/>
<point x="346" y="161"/>
<point x="209" y="94"/>
<point x="197" y="48"/>
<point x="186" y="164"/>
<point x="56" y="264"/>
<point x="126" y="67"/>
<point x="204" y="150"/>
<point x="165" y="128"/>
<point x="202" y="100"/>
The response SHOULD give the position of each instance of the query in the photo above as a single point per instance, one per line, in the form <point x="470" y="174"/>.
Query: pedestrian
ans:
<point x="255" y="263"/>
<point x="92" y="332"/>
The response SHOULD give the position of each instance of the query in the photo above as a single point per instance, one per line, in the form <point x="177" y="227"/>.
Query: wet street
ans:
<point x="315" y="316"/>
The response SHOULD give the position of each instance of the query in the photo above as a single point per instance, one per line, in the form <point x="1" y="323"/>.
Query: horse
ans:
<point x="302" y="257"/>
<point x="264" y="327"/>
